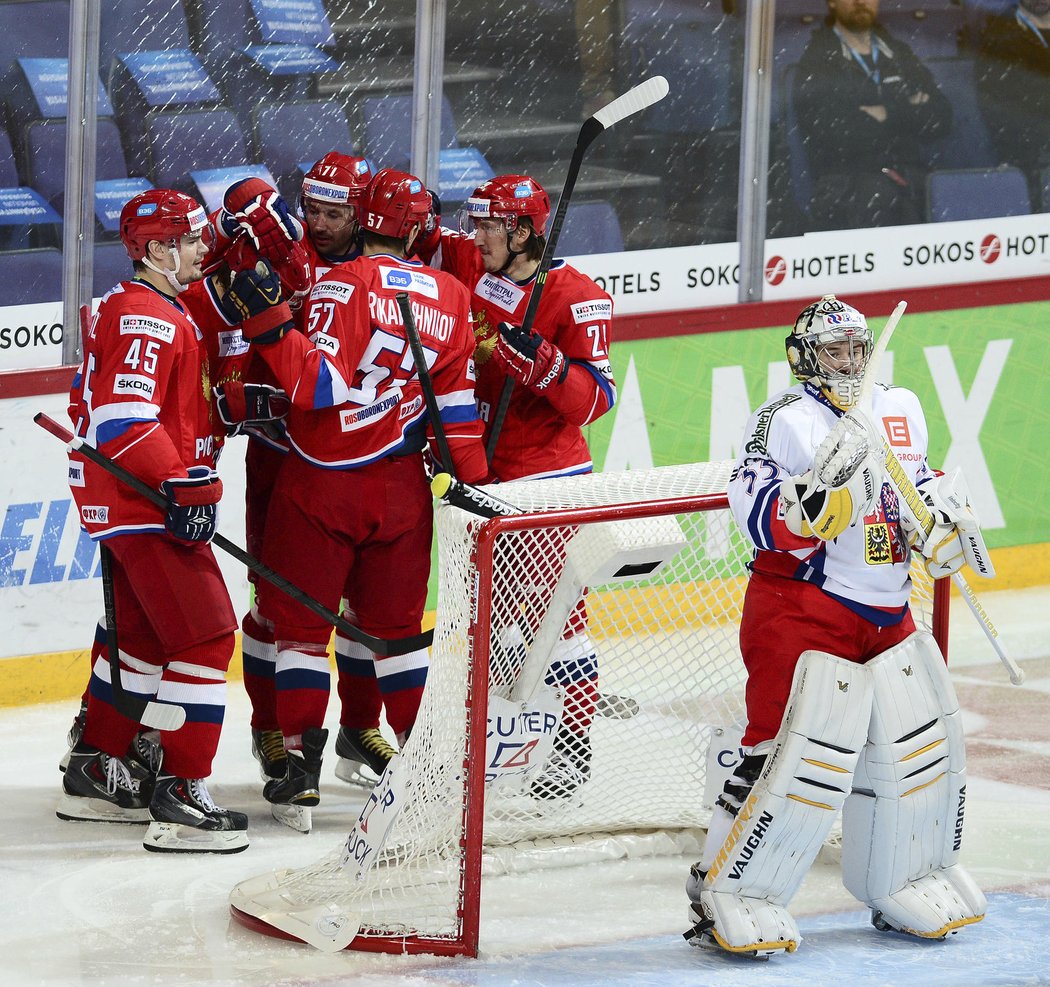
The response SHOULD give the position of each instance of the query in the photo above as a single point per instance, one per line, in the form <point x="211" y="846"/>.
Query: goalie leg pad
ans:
<point x="902" y="825"/>
<point x="784" y="820"/>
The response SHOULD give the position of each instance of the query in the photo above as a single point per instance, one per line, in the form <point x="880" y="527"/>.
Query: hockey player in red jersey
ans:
<point x="351" y="512"/>
<point x="142" y="397"/>
<point x="563" y="381"/>
<point x="254" y="223"/>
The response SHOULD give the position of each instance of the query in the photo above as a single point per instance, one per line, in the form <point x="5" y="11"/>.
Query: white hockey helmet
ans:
<point x="818" y="326"/>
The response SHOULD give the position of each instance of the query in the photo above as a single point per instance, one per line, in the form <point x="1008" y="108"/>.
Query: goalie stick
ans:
<point x="633" y="101"/>
<point x="383" y="647"/>
<point x="899" y="479"/>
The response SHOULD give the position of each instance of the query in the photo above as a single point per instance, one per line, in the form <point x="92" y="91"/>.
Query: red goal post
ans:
<point x="662" y="568"/>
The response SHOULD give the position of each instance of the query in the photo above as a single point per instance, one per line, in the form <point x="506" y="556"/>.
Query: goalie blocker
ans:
<point x="884" y="742"/>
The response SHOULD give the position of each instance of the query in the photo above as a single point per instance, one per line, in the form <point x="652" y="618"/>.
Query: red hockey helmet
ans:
<point x="393" y="203"/>
<point x="336" y="178"/>
<point x="510" y="197"/>
<point x="159" y="214"/>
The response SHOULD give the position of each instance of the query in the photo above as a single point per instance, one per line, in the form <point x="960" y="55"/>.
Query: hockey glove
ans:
<point x="242" y="406"/>
<point x="254" y="300"/>
<point x="839" y="490"/>
<point x="255" y="207"/>
<point x="956" y="536"/>
<point x="192" y="504"/>
<point x="529" y="358"/>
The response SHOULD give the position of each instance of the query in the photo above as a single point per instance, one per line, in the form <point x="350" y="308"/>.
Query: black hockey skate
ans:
<point x="97" y="787"/>
<point x="186" y="820"/>
<point x="268" y="750"/>
<point x="567" y="768"/>
<point x="363" y="755"/>
<point x="292" y="797"/>
<point x="76" y="731"/>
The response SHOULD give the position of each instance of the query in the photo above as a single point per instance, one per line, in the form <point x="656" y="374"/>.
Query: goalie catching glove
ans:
<point x="956" y="536"/>
<point x="529" y="358"/>
<point x="192" y="504"/>
<point x="254" y="299"/>
<point x="242" y="406"/>
<point x="839" y="490"/>
<point x="257" y="208"/>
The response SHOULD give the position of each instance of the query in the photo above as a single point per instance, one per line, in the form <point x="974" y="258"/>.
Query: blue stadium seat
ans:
<point x="32" y="29"/>
<point x="387" y="129"/>
<point x="31" y="276"/>
<point x="192" y="140"/>
<point x="45" y="148"/>
<point x="130" y="25"/>
<point x="8" y="171"/>
<point x="111" y="265"/>
<point x="801" y="180"/>
<point x="969" y="145"/>
<point x="695" y="45"/>
<point x="590" y="228"/>
<point x="931" y="28"/>
<point x="287" y="134"/>
<point x="976" y="193"/>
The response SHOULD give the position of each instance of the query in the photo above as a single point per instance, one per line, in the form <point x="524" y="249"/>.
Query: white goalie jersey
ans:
<point x="867" y="566"/>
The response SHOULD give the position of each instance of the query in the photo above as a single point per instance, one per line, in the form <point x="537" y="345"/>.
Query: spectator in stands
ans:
<point x="1013" y="85"/>
<point x="865" y="105"/>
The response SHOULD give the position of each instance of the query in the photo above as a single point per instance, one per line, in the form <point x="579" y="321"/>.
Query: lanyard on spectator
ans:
<point x="871" y="72"/>
<point x="1025" y="21"/>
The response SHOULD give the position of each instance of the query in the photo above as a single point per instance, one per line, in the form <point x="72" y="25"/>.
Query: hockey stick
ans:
<point x="148" y="712"/>
<point x="444" y="485"/>
<point x="639" y="98"/>
<point x="425" y="383"/>
<point x="399" y="646"/>
<point x="900" y="480"/>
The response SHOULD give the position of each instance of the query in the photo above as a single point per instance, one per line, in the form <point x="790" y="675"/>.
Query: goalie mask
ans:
<point x="830" y="345"/>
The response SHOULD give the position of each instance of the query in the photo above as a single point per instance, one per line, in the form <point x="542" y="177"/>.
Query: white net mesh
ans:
<point x="669" y="676"/>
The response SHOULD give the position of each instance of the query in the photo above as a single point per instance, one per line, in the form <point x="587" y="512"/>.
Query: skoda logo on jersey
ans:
<point x="146" y="209"/>
<point x="522" y="192"/>
<point x="397" y="279"/>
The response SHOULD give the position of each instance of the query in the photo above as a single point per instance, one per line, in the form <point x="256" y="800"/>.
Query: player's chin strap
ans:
<point x="175" y="283"/>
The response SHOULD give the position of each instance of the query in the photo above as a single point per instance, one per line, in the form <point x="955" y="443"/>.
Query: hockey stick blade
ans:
<point x="446" y="487"/>
<point x="641" y="97"/>
<point x="874" y="364"/>
<point x="380" y="646"/>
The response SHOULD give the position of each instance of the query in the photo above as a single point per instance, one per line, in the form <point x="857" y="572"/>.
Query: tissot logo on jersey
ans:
<point x="337" y="291"/>
<point x="142" y="325"/>
<point x="398" y="279"/>
<point x="599" y="308"/>
<point x="134" y="384"/>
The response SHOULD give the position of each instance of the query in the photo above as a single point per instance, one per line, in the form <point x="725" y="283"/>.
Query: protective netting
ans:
<point x="669" y="676"/>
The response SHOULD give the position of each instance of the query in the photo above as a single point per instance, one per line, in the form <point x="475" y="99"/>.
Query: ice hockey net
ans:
<point x="670" y="691"/>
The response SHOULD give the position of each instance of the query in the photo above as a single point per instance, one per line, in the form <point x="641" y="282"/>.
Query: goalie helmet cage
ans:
<point x="670" y="679"/>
